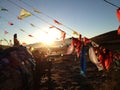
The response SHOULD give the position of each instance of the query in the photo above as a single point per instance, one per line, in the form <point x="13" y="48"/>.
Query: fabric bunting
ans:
<point x="24" y="13"/>
<point x="118" y="14"/>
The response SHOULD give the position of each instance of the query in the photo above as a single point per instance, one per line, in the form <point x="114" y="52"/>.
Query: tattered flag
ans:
<point x="118" y="30"/>
<point x="10" y="23"/>
<point x="24" y="13"/>
<point x="6" y="32"/>
<point x="55" y="21"/>
<point x="30" y="35"/>
<point x="75" y="33"/>
<point x="3" y="9"/>
<point x="118" y="14"/>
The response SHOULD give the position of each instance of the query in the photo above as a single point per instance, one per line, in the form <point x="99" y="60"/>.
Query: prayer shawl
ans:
<point x="83" y="61"/>
<point x="93" y="59"/>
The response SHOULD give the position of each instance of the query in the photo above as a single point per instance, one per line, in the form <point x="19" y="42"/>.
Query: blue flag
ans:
<point x="83" y="61"/>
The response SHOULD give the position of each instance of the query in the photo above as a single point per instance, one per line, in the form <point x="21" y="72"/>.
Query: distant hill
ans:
<point x="110" y="40"/>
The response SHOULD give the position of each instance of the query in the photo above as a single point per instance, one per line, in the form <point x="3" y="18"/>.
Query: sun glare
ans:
<point x="49" y="36"/>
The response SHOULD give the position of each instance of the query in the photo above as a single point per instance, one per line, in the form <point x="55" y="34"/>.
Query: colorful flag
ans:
<point x="3" y="9"/>
<point x="55" y="21"/>
<point x="63" y="35"/>
<point x="70" y="49"/>
<point x="52" y="27"/>
<point x="118" y="14"/>
<point x="118" y="30"/>
<point x="75" y="33"/>
<point x="32" y="25"/>
<point x="83" y="61"/>
<point x="93" y="58"/>
<point x="10" y="23"/>
<point x="22" y="30"/>
<point x="36" y="10"/>
<point x="30" y="35"/>
<point x="6" y="32"/>
<point x="24" y="13"/>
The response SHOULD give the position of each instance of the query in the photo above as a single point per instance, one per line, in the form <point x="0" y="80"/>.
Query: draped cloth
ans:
<point x="93" y="58"/>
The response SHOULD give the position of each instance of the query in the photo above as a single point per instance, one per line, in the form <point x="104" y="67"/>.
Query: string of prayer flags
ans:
<point x="56" y="22"/>
<point x="118" y="14"/>
<point x="24" y="13"/>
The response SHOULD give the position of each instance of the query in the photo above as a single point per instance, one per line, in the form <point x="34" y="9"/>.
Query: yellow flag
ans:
<point x="75" y="33"/>
<point x="24" y="13"/>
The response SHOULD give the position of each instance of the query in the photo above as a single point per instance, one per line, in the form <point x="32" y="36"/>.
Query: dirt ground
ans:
<point x="65" y="75"/>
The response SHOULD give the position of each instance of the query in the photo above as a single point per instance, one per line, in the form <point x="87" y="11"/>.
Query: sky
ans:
<point x="88" y="17"/>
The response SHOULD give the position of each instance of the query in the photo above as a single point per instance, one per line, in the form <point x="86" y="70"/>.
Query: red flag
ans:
<point x="55" y="21"/>
<point x="10" y="23"/>
<point x="6" y="32"/>
<point x="118" y="14"/>
<point x="52" y="27"/>
<point x="63" y="34"/>
<point x="30" y="35"/>
<point x="118" y="30"/>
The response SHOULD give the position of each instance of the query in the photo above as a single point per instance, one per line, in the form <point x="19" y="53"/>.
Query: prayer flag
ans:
<point x="22" y="30"/>
<point x="55" y="21"/>
<point x="30" y="35"/>
<point x="24" y="13"/>
<point x="118" y="30"/>
<point x="36" y="10"/>
<point x="10" y="23"/>
<point x="63" y="34"/>
<point x="118" y="14"/>
<point x="83" y="61"/>
<point x="6" y="32"/>
<point x="3" y="9"/>
<point x="93" y="58"/>
<point x="75" y="33"/>
<point x="32" y="25"/>
<point x="52" y="27"/>
<point x="70" y="49"/>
